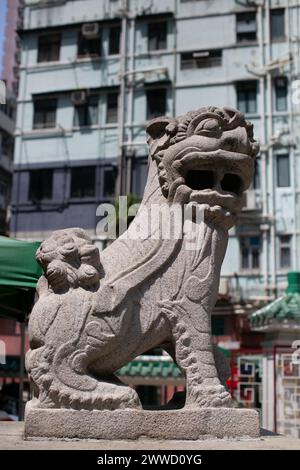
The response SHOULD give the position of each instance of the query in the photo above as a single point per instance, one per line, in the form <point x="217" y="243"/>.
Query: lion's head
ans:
<point x="208" y="155"/>
<point x="69" y="259"/>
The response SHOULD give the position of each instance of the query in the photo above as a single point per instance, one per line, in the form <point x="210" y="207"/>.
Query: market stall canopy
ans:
<point x="283" y="312"/>
<point x="19" y="273"/>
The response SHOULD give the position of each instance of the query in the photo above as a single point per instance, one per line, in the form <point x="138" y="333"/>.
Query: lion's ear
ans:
<point x="156" y="128"/>
<point x="159" y="132"/>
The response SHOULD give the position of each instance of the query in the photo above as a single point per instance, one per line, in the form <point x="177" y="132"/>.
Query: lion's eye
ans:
<point x="69" y="246"/>
<point x="208" y="126"/>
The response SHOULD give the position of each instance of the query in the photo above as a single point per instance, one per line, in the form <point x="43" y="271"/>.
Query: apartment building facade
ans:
<point x="93" y="72"/>
<point x="9" y="75"/>
<point x="6" y="160"/>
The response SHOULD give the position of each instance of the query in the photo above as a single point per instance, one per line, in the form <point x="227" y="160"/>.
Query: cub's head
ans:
<point x="69" y="259"/>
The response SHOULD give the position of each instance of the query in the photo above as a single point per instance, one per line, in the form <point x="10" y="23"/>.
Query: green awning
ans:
<point x="19" y="273"/>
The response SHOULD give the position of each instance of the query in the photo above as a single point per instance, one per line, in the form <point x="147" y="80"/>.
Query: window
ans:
<point x="246" y="27"/>
<point x="139" y="175"/>
<point x="83" y="181"/>
<point x="114" y="40"/>
<point x="40" y="185"/>
<point x="285" y="251"/>
<point x="156" y="102"/>
<point x="109" y="181"/>
<point x="280" y="86"/>
<point x="8" y="108"/>
<point x="250" y="252"/>
<point x="283" y="170"/>
<point x="112" y="107"/>
<point x="3" y="194"/>
<point x="7" y="144"/>
<point x="201" y="59"/>
<point x="246" y="96"/>
<point x="157" y="36"/>
<point x="256" y="178"/>
<point x="44" y="113"/>
<point x="277" y="28"/>
<point x="89" y="46"/>
<point x="49" y="47"/>
<point x="86" y="114"/>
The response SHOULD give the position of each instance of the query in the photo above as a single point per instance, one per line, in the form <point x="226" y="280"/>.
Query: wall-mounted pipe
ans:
<point x="263" y="152"/>
<point x="272" y="205"/>
<point x="121" y="117"/>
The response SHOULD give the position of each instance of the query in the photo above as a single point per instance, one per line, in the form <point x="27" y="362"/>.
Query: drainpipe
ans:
<point x="130" y="105"/>
<point x="22" y="93"/>
<point x="297" y="73"/>
<point x="175" y="57"/>
<point x="123" y="60"/>
<point x="292" y="151"/>
<point x="263" y="152"/>
<point x="271" y="162"/>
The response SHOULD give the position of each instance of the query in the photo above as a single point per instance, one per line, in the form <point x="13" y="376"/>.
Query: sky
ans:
<point x="2" y="25"/>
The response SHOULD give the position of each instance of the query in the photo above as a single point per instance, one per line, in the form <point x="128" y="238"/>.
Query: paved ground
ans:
<point x="11" y="438"/>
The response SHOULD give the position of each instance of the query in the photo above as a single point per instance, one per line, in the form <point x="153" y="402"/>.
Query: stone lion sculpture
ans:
<point x="96" y="312"/>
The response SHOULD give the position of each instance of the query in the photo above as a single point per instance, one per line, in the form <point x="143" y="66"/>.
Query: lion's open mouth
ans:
<point x="216" y="180"/>
<point x="226" y="171"/>
<point x="206" y="179"/>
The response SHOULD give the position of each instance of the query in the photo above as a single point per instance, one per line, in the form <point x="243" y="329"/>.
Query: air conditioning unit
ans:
<point x="251" y="203"/>
<point x="90" y="30"/>
<point x="78" y="97"/>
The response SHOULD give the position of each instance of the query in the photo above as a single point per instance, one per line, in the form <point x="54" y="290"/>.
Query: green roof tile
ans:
<point x="150" y="368"/>
<point x="153" y="367"/>
<point x="285" y="308"/>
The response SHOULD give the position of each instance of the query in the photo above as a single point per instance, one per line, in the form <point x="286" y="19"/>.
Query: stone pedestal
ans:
<point x="184" y="424"/>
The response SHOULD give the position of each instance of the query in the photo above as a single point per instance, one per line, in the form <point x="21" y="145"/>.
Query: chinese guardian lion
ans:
<point x="98" y="311"/>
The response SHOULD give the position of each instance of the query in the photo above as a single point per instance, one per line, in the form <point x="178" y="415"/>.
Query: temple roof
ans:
<point x="283" y="312"/>
<point x="154" y="367"/>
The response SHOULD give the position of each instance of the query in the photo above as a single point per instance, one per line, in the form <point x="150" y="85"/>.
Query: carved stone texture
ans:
<point x="96" y="312"/>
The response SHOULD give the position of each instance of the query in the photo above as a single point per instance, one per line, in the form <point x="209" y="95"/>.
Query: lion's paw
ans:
<point x="106" y="396"/>
<point x="209" y="396"/>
